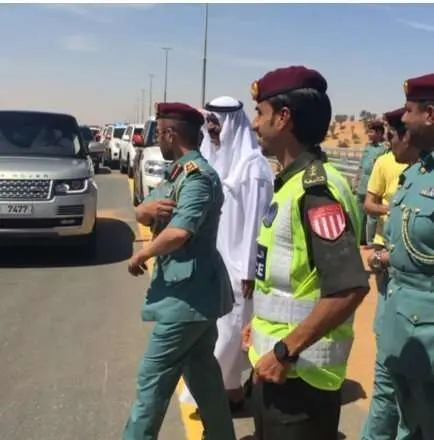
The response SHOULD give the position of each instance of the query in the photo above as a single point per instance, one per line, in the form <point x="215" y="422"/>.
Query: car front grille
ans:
<point x="28" y="189"/>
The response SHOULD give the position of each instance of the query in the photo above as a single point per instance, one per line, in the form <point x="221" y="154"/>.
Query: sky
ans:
<point x="93" y="60"/>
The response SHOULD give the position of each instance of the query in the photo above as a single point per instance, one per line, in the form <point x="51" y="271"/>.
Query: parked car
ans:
<point x="111" y="138"/>
<point x="128" y="148"/>
<point x="47" y="186"/>
<point x="96" y="149"/>
<point x="149" y="166"/>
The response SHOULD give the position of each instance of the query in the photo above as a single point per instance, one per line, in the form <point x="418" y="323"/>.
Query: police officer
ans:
<point x="407" y="333"/>
<point x="310" y="277"/>
<point x="383" y="421"/>
<point x="190" y="287"/>
<point x="375" y="148"/>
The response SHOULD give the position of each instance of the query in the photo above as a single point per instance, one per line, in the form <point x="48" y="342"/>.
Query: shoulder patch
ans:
<point x="191" y="167"/>
<point x="314" y="175"/>
<point x="327" y="221"/>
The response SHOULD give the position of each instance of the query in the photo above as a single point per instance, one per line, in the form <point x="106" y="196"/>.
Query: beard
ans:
<point x="167" y="153"/>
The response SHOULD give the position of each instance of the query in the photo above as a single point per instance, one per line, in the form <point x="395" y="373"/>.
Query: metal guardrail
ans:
<point x="344" y="160"/>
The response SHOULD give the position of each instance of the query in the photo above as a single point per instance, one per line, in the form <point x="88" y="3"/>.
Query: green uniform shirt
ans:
<point x="190" y="284"/>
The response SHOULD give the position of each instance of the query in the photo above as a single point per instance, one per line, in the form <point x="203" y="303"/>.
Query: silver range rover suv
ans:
<point x="47" y="186"/>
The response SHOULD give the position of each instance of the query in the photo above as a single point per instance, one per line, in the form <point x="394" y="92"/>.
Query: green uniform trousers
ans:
<point x="175" y="350"/>
<point x="416" y="399"/>
<point x="384" y="421"/>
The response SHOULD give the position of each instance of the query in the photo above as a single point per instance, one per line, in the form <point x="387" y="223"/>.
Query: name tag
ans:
<point x="261" y="259"/>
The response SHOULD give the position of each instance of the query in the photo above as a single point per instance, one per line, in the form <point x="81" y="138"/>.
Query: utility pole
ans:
<point x="142" y="119"/>
<point x="166" y="62"/>
<point x="205" y="47"/>
<point x="151" y="76"/>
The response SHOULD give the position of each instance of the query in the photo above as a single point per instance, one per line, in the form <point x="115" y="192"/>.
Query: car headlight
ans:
<point x="155" y="168"/>
<point x="73" y="186"/>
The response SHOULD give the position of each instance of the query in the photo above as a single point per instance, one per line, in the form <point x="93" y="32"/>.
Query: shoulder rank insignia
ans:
<point x="190" y="168"/>
<point x="428" y="192"/>
<point x="175" y="172"/>
<point x="314" y="175"/>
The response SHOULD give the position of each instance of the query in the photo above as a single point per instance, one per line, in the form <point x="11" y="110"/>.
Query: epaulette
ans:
<point x="190" y="168"/>
<point x="314" y="175"/>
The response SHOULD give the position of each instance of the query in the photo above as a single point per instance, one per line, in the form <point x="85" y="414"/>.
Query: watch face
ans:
<point x="281" y="351"/>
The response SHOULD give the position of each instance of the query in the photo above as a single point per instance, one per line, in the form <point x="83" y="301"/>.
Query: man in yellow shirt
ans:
<point x="383" y="420"/>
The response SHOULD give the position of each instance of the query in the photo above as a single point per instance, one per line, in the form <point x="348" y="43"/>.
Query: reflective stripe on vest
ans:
<point x="324" y="353"/>
<point x="284" y="308"/>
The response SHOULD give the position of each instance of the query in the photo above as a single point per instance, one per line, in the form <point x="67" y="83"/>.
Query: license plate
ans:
<point x="16" y="209"/>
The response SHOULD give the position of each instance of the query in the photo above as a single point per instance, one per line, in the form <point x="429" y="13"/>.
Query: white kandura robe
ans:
<point x="246" y="201"/>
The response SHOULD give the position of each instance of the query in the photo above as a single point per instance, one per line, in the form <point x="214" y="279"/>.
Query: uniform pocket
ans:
<point x="176" y="272"/>
<point x="410" y="338"/>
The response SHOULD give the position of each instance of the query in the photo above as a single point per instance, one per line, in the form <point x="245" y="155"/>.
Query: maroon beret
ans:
<point x="178" y="111"/>
<point x="376" y="124"/>
<point x="394" y="117"/>
<point x="420" y="88"/>
<point x="286" y="79"/>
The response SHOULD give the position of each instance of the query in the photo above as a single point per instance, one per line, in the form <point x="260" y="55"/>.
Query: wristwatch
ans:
<point x="377" y="264"/>
<point x="282" y="353"/>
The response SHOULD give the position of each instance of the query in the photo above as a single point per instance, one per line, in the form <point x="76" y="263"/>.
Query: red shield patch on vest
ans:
<point x="327" y="221"/>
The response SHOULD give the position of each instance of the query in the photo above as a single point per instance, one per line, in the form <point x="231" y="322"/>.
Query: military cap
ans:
<point x="285" y="80"/>
<point x="179" y="112"/>
<point x="393" y="118"/>
<point x="376" y="124"/>
<point x="420" y="88"/>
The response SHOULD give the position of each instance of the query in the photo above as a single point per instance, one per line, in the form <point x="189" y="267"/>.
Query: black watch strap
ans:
<point x="282" y="353"/>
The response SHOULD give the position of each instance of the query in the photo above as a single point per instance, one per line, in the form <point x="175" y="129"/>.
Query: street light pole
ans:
<point x="166" y="50"/>
<point x="151" y="76"/>
<point x="143" y="106"/>
<point x="205" y="47"/>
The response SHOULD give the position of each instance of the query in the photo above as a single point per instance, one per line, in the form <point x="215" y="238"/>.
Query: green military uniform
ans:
<point x="189" y="290"/>
<point x="407" y="333"/>
<point x="370" y="155"/>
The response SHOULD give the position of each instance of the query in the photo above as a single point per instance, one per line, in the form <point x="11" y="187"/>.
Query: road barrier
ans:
<point x="344" y="160"/>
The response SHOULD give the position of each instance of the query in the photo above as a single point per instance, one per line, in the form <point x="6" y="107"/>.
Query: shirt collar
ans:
<point x="179" y="163"/>
<point x="427" y="160"/>
<point x="299" y="164"/>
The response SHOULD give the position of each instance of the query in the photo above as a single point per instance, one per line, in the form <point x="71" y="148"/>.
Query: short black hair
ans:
<point x="189" y="132"/>
<point x="311" y="112"/>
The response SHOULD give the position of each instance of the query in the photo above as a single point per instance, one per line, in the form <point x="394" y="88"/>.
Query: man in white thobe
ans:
<point x="231" y="147"/>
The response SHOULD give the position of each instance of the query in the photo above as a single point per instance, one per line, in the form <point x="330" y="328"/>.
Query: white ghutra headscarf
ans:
<point x="238" y="145"/>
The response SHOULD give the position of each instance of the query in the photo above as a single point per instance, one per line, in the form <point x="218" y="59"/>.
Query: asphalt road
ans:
<point x="71" y="335"/>
<point x="71" y="338"/>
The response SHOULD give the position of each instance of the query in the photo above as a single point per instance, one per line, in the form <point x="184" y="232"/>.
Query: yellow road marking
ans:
<point x="192" y="427"/>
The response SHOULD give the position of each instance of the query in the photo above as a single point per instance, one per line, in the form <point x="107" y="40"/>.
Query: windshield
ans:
<point x="118" y="133"/>
<point x="86" y="132"/>
<point x="39" y="134"/>
<point x="138" y="131"/>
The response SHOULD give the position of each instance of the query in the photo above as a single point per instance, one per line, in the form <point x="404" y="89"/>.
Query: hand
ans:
<point x="137" y="264"/>
<point x="246" y="340"/>
<point x="384" y="260"/>
<point x="247" y="287"/>
<point x="269" y="369"/>
<point x="160" y="209"/>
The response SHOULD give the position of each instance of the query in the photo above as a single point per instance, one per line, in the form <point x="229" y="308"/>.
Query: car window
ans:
<point x="86" y="132"/>
<point x="38" y="133"/>
<point x="118" y="132"/>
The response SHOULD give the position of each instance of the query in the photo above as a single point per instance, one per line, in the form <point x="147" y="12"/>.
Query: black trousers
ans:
<point x="295" y="411"/>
